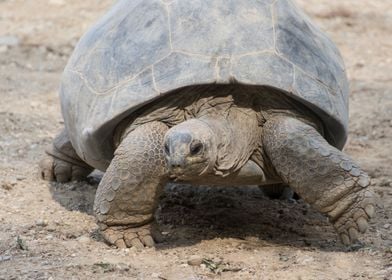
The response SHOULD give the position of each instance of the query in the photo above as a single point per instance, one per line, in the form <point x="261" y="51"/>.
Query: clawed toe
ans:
<point x="345" y="239"/>
<point x="352" y="223"/>
<point x="46" y="169"/>
<point x="53" y="169"/>
<point x="353" y="215"/>
<point x="351" y="236"/>
<point x="369" y="209"/>
<point x="122" y="237"/>
<point x="362" y="224"/>
<point x="353" y="233"/>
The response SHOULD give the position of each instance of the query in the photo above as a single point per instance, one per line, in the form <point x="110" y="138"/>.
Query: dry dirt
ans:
<point x="47" y="231"/>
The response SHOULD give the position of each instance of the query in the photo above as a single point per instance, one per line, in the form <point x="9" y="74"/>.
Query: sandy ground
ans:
<point x="47" y="231"/>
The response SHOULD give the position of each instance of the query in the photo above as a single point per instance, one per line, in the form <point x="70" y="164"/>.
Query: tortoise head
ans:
<point x="190" y="149"/>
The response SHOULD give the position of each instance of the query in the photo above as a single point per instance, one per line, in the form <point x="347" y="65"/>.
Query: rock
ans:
<point x="41" y="223"/>
<point x="21" y="243"/>
<point x="9" y="41"/>
<point x="122" y="267"/>
<point x="84" y="239"/>
<point x="49" y="237"/>
<point x="51" y="229"/>
<point x="195" y="260"/>
<point x="7" y="186"/>
<point x="387" y="226"/>
<point x="5" y="258"/>
<point x="57" y="2"/>
<point x="283" y="258"/>
<point x="305" y="260"/>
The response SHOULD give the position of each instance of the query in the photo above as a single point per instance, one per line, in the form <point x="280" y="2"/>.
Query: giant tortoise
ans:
<point x="206" y="92"/>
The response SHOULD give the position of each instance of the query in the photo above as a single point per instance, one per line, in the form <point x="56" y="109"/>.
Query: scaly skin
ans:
<point x="61" y="163"/>
<point x="322" y="175"/>
<point x="127" y="196"/>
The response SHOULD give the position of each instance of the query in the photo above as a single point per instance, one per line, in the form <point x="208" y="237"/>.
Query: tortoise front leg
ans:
<point x="128" y="194"/>
<point x="322" y="175"/>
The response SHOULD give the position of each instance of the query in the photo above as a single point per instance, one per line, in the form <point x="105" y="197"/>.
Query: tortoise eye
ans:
<point x="196" y="148"/>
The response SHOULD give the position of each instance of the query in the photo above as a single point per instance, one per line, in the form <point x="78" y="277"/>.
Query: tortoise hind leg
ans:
<point x="322" y="175"/>
<point x="127" y="196"/>
<point x="61" y="162"/>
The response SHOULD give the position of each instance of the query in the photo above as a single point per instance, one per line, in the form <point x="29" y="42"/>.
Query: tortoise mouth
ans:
<point x="190" y="170"/>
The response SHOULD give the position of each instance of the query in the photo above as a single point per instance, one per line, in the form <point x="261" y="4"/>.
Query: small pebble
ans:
<point x="10" y="41"/>
<point x="387" y="226"/>
<point x="283" y="258"/>
<point x="195" y="260"/>
<point x="57" y="2"/>
<point x="49" y="237"/>
<point x="6" y="186"/>
<point x="122" y="267"/>
<point x="5" y="258"/>
<point x="41" y="223"/>
<point x="305" y="260"/>
<point x="84" y="239"/>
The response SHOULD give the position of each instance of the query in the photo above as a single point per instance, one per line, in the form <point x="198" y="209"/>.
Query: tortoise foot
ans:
<point x="54" y="169"/>
<point x="355" y="218"/>
<point x="126" y="237"/>
<point x="61" y="162"/>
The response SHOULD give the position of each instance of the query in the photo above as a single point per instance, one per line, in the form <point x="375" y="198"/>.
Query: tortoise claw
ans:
<point x="125" y="237"/>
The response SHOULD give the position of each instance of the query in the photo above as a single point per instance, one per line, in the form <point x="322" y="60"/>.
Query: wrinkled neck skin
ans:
<point x="237" y="134"/>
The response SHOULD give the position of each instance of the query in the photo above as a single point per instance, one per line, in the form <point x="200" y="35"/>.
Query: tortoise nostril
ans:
<point x="175" y="165"/>
<point x="175" y="168"/>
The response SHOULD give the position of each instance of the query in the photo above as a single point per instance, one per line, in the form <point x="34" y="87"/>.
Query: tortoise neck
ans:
<point x="238" y="135"/>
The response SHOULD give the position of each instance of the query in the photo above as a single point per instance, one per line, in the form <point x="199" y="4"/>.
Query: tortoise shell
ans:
<point x="142" y="50"/>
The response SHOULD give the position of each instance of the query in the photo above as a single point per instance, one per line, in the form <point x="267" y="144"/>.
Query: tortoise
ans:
<point x="207" y="92"/>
